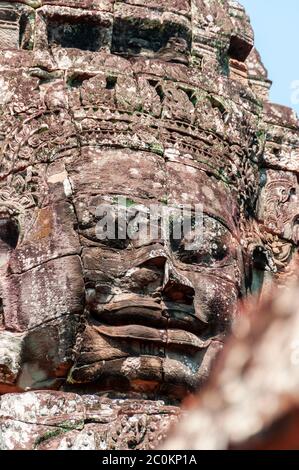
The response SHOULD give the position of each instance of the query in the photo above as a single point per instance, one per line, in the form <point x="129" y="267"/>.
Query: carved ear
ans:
<point x="262" y="259"/>
<point x="258" y="260"/>
<point x="9" y="232"/>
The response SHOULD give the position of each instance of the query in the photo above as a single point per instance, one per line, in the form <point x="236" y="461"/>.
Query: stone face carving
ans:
<point x="161" y="104"/>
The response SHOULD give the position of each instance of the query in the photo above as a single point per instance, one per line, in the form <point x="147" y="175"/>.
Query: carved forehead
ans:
<point x="174" y="183"/>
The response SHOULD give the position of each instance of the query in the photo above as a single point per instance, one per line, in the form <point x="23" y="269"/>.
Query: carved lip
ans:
<point x="162" y="337"/>
<point x="162" y="316"/>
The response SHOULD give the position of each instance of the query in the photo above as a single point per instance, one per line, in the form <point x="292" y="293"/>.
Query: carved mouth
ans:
<point x="145" y="346"/>
<point x="155" y="327"/>
<point x="165" y="338"/>
<point x="160" y="322"/>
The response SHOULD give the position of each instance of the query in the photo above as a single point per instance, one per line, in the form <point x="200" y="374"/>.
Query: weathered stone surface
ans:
<point x="60" y="421"/>
<point x="165" y="104"/>
<point x="11" y="357"/>
<point x="43" y="297"/>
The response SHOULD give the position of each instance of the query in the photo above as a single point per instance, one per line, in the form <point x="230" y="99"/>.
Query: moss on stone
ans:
<point x="157" y="148"/>
<point x="48" y="435"/>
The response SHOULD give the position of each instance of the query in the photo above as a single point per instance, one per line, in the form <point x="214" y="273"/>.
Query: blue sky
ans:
<point x="276" y="26"/>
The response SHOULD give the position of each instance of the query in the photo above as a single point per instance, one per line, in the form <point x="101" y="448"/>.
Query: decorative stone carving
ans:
<point x="161" y="104"/>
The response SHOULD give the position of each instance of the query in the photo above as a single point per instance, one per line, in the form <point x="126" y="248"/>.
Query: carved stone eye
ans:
<point x="68" y="32"/>
<point x="262" y="259"/>
<point x="216" y="253"/>
<point x="9" y="232"/>
<point x="150" y="38"/>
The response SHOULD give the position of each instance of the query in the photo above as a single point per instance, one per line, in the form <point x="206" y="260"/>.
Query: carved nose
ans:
<point x="177" y="287"/>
